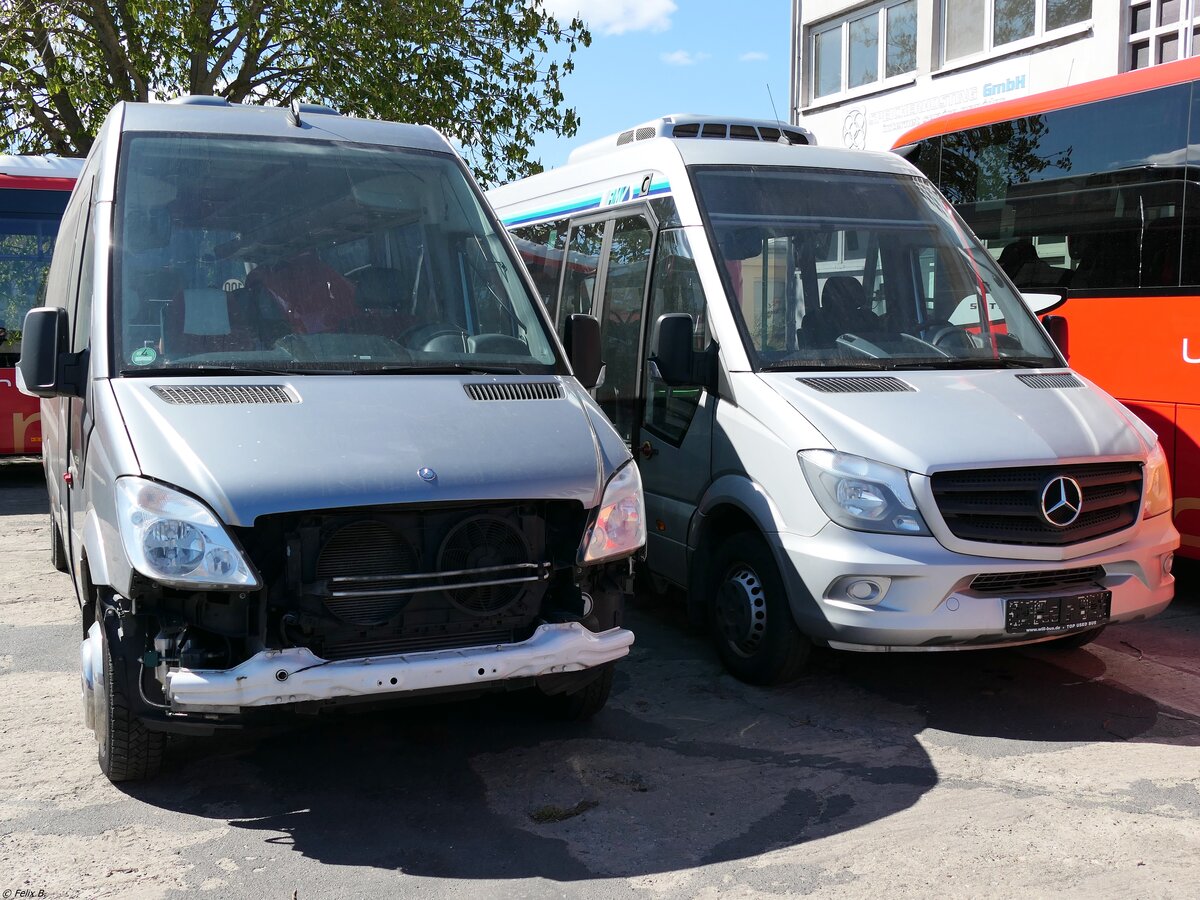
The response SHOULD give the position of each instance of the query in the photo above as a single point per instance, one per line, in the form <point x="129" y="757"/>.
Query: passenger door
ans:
<point x="676" y="423"/>
<point x="79" y="419"/>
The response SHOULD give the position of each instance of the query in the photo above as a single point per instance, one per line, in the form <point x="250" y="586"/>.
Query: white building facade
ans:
<point x="864" y="73"/>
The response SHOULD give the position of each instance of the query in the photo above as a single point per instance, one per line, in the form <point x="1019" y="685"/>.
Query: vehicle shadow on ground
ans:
<point x="685" y="767"/>
<point x="23" y="487"/>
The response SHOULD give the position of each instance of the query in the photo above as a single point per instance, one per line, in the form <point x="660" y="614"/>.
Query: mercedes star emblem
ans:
<point x="1062" y="501"/>
<point x="427" y="474"/>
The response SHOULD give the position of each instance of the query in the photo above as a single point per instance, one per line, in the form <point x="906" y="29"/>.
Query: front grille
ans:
<point x="224" y="394"/>
<point x="1042" y="582"/>
<point x="515" y="390"/>
<point x="358" y="648"/>
<point x="1004" y="506"/>
<point x="858" y="384"/>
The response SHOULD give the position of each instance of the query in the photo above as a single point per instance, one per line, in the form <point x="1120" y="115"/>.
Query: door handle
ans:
<point x="647" y="450"/>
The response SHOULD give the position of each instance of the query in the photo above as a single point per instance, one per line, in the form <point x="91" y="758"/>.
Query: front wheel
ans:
<point x="128" y="751"/>
<point x="751" y="621"/>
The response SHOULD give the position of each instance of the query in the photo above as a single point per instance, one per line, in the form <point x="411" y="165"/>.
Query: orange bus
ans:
<point x="33" y="195"/>
<point x="1093" y="192"/>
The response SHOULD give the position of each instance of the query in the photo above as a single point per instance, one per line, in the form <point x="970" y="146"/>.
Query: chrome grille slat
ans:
<point x="514" y="390"/>
<point x="436" y="582"/>
<point x="223" y="394"/>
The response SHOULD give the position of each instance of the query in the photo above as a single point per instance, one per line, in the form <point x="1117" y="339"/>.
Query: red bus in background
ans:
<point x="33" y="195"/>
<point x="1093" y="192"/>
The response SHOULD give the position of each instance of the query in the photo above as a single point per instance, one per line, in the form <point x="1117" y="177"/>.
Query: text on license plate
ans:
<point x="1032" y="615"/>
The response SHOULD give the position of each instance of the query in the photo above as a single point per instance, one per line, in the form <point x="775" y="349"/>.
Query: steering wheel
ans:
<point x="953" y="337"/>
<point x="436" y="336"/>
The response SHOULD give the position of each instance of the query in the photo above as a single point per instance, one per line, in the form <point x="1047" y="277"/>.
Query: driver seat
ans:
<point x="844" y="310"/>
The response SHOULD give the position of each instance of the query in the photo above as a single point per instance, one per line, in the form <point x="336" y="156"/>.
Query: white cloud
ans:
<point x="683" y="58"/>
<point x="616" y="16"/>
<point x="753" y="56"/>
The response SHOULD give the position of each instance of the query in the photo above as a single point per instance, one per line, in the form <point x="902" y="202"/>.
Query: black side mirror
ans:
<point x="672" y="350"/>
<point x="44" y="342"/>
<point x="1057" y="327"/>
<point x="582" y="338"/>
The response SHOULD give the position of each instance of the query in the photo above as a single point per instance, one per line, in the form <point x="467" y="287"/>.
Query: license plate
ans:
<point x="1035" y="615"/>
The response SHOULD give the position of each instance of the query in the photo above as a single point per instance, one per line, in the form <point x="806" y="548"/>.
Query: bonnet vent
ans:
<point x="224" y="394"/>
<point x="515" y="390"/>
<point x="1054" y="380"/>
<point x="858" y="384"/>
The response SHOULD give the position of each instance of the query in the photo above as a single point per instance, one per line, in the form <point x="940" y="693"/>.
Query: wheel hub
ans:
<point x="742" y="610"/>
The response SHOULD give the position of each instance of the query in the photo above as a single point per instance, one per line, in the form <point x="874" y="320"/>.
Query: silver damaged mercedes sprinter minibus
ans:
<point x="309" y="437"/>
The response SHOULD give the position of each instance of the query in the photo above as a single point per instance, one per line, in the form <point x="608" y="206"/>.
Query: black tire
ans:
<point x="128" y="751"/>
<point x="581" y="705"/>
<point x="1075" y="641"/>
<point x="749" y="615"/>
<point x="58" y="551"/>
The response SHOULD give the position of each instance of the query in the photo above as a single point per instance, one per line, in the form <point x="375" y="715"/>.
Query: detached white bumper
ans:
<point x="297" y="675"/>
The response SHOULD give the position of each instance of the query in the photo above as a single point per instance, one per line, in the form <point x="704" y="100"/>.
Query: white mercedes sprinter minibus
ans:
<point x="851" y="429"/>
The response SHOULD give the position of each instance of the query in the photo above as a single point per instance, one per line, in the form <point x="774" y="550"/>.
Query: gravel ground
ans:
<point x="1010" y="774"/>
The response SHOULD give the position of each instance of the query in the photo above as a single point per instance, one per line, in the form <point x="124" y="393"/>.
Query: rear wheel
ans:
<point x="751" y="621"/>
<point x="581" y="705"/>
<point x="128" y="751"/>
<point x="58" y="551"/>
<point x="1077" y="640"/>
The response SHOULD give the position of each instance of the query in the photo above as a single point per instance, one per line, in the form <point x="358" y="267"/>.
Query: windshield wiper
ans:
<point x="227" y="370"/>
<point x="833" y="365"/>
<point x="451" y="369"/>
<point x="1002" y="362"/>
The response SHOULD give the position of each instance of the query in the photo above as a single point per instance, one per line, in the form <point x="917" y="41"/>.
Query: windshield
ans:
<point x="258" y="255"/>
<point x="834" y="269"/>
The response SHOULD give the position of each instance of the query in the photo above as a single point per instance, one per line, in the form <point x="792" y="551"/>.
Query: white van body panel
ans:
<point x="952" y="419"/>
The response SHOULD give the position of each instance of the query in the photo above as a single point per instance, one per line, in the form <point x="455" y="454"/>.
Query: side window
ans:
<point x="1057" y="208"/>
<point x="583" y="262"/>
<point x="675" y="289"/>
<point x="621" y="319"/>
<point x="83" y="304"/>
<point x="541" y="248"/>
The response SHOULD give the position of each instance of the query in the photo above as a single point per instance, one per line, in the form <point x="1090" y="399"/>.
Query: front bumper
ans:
<point x="277" y="677"/>
<point x="929" y="603"/>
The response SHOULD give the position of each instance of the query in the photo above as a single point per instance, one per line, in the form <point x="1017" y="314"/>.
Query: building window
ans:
<point x="864" y="49"/>
<point x="1162" y="31"/>
<point x="973" y="27"/>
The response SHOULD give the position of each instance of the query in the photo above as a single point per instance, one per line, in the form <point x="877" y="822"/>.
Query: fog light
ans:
<point x="859" y="589"/>
<point x="862" y="591"/>
<point x="1168" y="563"/>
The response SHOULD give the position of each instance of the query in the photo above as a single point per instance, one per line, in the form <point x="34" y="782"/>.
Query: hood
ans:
<point x="954" y="420"/>
<point x="359" y="440"/>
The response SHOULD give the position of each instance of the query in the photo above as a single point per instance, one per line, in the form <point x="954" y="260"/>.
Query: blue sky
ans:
<point x="650" y="58"/>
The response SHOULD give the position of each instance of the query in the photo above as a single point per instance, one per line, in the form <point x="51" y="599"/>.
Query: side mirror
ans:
<point x="672" y="351"/>
<point x="582" y="338"/>
<point x="46" y="368"/>
<point x="1057" y="328"/>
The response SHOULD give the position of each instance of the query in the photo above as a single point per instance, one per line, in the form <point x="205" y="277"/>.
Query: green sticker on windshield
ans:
<point x="143" y="356"/>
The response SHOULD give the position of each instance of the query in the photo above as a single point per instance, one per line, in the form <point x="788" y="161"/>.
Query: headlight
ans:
<point x="862" y="494"/>
<point x="1158" y="484"/>
<point x="176" y="540"/>
<point x="619" y="527"/>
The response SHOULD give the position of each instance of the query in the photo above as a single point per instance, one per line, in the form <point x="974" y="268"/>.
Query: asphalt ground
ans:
<point x="1022" y="773"/>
